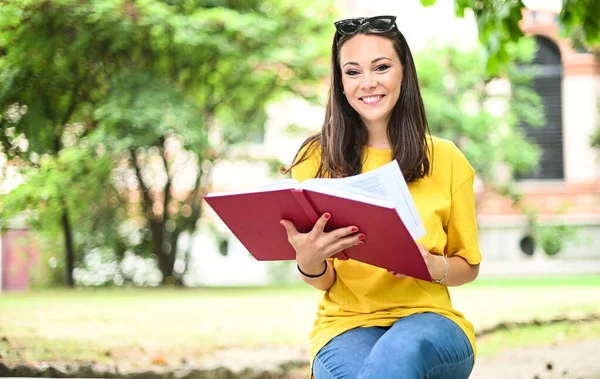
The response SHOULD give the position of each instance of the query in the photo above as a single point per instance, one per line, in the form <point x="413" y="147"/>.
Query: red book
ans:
<point x="253" y="217"/>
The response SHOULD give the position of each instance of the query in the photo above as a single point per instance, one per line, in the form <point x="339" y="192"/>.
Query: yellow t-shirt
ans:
<point x="364" y="295"/>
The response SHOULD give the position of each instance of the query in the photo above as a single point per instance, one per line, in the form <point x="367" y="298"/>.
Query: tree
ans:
<point x="596" y="136"/>
<point x="498" y="25"/>
<point x="137" y="88"/>
<point x="462" y="106"/>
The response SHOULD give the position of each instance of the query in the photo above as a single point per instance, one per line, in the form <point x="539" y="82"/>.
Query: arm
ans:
<point x="462" y="247"/>
<point x="459" y="270"/>
<point x="323" y="282"/>
<point x="313" y="249"/>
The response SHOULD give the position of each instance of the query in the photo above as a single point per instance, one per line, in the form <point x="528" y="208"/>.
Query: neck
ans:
<point x="378" y="137"/>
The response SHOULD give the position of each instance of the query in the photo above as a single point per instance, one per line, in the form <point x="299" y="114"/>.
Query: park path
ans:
<point x="568" y="360"/>
<point x="564" y="360"/>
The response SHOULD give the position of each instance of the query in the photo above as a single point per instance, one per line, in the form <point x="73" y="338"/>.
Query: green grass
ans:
<point x="531" y="336"/>
<point x="569" y="281"/>
<point x="131" y="326"/>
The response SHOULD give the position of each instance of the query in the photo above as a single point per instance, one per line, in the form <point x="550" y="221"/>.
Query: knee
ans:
<point x="414" y="356"/>
<point x="409" y="359"/>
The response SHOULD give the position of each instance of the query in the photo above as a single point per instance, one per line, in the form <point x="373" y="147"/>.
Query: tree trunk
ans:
<point x="69" y="251"/>
<point x="163" y="251"/>
<point x="67" y="232"/>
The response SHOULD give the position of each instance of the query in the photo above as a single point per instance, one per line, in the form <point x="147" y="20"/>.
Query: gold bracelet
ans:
<point x="439" y="281"/>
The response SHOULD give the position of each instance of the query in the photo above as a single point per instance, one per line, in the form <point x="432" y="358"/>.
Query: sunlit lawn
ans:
<point x="530" y="336"/>
<point x="134" y="325"/>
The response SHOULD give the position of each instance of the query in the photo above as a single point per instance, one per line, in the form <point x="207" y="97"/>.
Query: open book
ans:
<point x="378" y="202"/>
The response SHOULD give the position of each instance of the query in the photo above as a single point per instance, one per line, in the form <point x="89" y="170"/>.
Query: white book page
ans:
<point x="273" y="186"/>
<point x="340" y="185"/>
<point x="345" y="192"/>
<point x="385" y="182"/>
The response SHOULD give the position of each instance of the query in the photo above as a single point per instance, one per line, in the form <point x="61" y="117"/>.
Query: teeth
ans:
<point x="371" y="99"/>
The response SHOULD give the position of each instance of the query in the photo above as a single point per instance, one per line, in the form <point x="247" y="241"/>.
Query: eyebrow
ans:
<point x="373" y="61"/>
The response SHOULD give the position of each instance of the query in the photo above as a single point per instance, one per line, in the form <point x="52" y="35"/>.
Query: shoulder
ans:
<point x="307" y="160"/>
<point x="448" y="158"/>
<point x="442" y="146"/>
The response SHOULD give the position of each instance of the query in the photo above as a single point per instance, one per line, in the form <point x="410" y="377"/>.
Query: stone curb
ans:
<point x="536" y="322"/>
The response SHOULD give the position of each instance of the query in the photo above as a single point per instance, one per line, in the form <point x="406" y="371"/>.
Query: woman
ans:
<point x="370" y="322"/>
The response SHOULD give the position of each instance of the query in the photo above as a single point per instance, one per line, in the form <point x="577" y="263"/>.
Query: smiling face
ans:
<point x="371" y="77"/>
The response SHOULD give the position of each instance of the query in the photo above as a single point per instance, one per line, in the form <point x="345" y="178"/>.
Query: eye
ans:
<point x="352" y="72"/>
<point x="383" y="67"/>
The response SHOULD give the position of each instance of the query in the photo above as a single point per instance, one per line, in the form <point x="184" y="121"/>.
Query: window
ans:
<point x="547" y="82"/>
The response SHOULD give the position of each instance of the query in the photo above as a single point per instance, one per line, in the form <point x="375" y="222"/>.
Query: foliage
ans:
<point x="498" y="25"/>
<point x="595" y="140"/>
<point x="49" y="271"/>
<point x="118" y="110"/>
<point x="482" y="116"/>
<point x="549" y="235"/>
<point x="552" y="238"/>
<point x="77" y="179"/>
<point x="582" y="14"/>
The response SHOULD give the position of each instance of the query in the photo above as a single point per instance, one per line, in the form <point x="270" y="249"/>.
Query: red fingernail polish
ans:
<point x="354" y="229"/>
<point x="326" y="215"/>
<point x="361" y="243"/>
<point x="362" y="237"/>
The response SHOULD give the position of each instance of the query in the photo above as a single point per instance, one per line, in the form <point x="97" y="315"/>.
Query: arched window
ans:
<point x="547" y="82"/>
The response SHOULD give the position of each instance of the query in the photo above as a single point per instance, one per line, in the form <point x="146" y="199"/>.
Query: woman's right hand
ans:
<point x="314" y="247"/>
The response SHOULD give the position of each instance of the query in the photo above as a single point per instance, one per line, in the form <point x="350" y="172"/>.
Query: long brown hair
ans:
<point x="343" y="135"/>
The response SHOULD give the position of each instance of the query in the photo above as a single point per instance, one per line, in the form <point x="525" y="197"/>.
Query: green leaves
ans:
<point x="56" y="179"/>
<point x="465" y="105"/>
<point x="595" y="140"/>
<point x="142" y="108"/>
<point x="498" y="26"/>
<point x="581" y="14"/>
<point x="427" y="3"/>
<point x="460" y="6"/>
<point x="144" y="83"/>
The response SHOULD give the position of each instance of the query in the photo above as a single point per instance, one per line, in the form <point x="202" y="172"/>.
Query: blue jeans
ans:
<point x="421" y="346"/>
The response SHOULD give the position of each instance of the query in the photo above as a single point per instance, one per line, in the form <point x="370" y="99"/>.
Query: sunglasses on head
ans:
<point x="378" y="24"/>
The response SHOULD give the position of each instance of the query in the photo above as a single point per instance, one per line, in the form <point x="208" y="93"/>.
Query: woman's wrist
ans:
<point x="313" y="271"/>
<point x="441" y="269"/>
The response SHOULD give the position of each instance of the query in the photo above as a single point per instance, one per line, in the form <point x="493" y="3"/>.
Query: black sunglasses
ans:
<point x="377" y="24"/>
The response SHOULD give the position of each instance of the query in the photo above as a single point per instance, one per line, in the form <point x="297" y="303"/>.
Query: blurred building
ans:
<point x="19" y="255"/>
<point x="19" y="252"/>
<point x="565" y="188"/>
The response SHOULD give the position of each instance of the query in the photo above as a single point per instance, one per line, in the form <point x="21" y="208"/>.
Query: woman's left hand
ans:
<point x="435" y="264"/>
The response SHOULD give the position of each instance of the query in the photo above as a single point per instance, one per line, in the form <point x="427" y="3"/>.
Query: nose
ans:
<point x="369" y="81"/>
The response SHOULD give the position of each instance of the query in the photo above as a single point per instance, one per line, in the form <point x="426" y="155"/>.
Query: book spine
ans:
<point x="305" y="205"/>
<point x="312" y="214"/>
